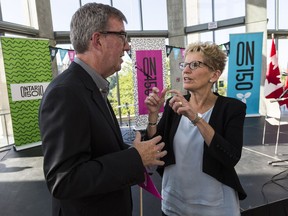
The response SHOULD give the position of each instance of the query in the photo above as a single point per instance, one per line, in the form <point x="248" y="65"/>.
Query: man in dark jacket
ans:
<point x="87" y="166"/>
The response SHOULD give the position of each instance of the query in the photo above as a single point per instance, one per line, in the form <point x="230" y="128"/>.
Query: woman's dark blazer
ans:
<point x="87" y="166"/>
<point x="224" y="152"/>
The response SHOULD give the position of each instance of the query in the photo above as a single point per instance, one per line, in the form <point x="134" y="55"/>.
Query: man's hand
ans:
<point x="150" y="150"/>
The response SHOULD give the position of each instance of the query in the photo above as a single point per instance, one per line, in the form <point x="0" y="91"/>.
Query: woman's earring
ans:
<point x="210" y="81"/>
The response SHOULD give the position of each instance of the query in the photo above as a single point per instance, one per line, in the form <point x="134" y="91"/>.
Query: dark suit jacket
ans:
<point x="225" y="150"/>
<point x="87" y="166"/>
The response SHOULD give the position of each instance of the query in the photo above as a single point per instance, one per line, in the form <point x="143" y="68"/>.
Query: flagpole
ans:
<point x="141" y="201"/>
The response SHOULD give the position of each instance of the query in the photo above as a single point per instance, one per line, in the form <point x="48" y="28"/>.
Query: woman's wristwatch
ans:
<point x="197" y="118"/>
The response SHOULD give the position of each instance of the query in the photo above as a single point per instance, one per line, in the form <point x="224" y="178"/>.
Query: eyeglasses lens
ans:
<point x="192" y="65"/>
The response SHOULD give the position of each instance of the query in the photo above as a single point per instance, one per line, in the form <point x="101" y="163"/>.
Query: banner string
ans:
<point x="169" y="48"/>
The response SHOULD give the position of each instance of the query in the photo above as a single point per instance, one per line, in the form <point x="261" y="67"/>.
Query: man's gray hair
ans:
<point x="90" y="18"/>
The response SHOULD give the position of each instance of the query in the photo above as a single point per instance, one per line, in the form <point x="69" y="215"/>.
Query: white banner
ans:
<point x="28" y="91"/>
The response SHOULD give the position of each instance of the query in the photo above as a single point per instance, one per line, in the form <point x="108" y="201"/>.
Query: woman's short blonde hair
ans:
<point x="213" y="55"/>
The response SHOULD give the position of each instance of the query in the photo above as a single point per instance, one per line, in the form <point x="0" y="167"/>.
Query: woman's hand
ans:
<point x="180" y="105"/>
<point x="155" y="100"/>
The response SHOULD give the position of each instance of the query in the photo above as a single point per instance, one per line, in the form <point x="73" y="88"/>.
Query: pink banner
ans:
<point x="150" y="186"/>
<point x="149" y="74"/>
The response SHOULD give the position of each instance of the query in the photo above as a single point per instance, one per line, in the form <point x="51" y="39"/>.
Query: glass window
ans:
<point x="205" y="11"/>
<point x="154" y="18"/>
<point x="271" y="14"/>
<point x="269" y="42"/>
<point x="205" y="36"/>
<point x="62" y="12"/>
<point x="223" y="36"/>
<point x="108" y="2"/>
<point x="198" y="12"/>
<point x="227" y="9"/>
<point x="192" y="18"/>
<point x="131" y="10"/>
<point x="9" y="11"/>
<point x="282" y="54"/>
<point x="283" y="15"/>
<point x="223" y="9"/>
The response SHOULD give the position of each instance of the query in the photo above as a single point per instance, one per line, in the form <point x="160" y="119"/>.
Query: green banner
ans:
<point x="28" y="71"/>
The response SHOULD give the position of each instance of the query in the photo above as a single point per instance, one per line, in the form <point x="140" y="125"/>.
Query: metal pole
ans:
<point x="6" y="130"/>
<point x="118" y="99"/>
<point x="141" y="201"/>
<point x="141" y="14"/>
<point x="215" y="86"/>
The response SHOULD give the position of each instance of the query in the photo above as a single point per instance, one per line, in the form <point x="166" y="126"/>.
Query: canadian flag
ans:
<point x="273" y="87"/>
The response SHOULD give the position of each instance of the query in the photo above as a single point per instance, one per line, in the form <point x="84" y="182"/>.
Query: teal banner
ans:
<point x="245" y="68"/>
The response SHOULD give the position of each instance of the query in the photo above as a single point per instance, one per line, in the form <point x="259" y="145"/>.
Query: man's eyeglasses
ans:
<point x="193" y="65"/>
<point x="121" y="34"/>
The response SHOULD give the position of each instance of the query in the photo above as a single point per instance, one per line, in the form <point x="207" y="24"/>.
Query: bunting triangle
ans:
<point x="53" y="52"/>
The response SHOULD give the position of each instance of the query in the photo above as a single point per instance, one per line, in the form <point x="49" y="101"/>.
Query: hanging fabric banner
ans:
<point x="27" y="68"/>
<point x="182" y="53"/>
<point x="245" y="69"/>
<point x="53" y="52"/>
<point x="71" y="54"/>
<point x="63" y="53"/>
<point x="148" y="56"/>
<point x="168" y="50"/>
<point x="176" y="52"/>
<point x="149" y="75"/>
<point x="227" y="47"/>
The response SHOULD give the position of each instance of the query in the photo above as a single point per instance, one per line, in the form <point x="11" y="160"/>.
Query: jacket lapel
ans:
<point x="98" y="99"/>
<point x="107" y="111"/>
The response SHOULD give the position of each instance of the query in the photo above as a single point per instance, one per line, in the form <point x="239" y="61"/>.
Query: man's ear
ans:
<point x="96" y="40"/>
